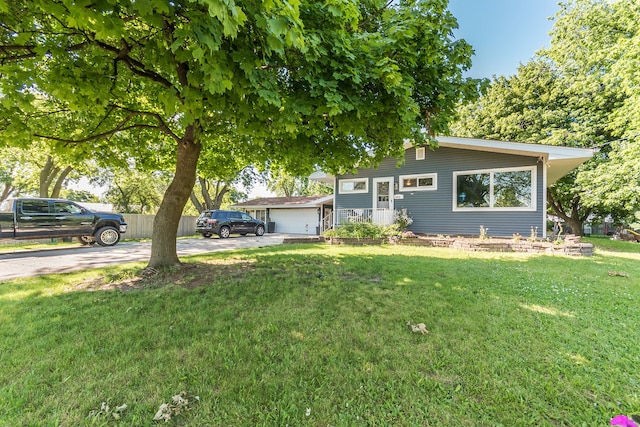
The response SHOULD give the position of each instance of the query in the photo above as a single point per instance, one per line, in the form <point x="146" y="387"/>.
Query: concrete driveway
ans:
<point x="34" y="263"/>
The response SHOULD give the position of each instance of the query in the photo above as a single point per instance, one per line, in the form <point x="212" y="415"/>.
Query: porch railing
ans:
<point x="373" y="215"/>
<point x="327" y="223"/>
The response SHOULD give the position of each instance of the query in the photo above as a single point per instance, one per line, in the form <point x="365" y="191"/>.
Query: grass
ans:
<point x="315" y="335"/>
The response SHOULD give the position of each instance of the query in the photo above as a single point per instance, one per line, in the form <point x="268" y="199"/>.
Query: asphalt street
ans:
<point x="38" y="262"/>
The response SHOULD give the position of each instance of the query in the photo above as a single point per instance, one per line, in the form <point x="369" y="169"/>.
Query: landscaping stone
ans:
<point x="570" y="246"/>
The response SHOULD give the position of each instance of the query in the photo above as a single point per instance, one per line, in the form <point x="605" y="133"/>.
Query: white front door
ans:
<point x="383" y="200"/>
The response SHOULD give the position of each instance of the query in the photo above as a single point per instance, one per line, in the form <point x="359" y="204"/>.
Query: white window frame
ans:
<point x="421" y="153"/>
<point x="432" y="187"/>
<point x="491" y="172"/>
<point x="341" y="182"/>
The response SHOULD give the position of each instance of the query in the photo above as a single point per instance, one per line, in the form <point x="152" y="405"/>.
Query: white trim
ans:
<point x="560" y="160"/>
<point x="353" y="180"/>
<point x="491" y="172"/>
<point x="388" y="179"/>
<point x="432" y="187"/>
<point x="420" y="153"/>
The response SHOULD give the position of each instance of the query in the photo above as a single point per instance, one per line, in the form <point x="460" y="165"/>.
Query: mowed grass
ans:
<point x="316" y="335"/>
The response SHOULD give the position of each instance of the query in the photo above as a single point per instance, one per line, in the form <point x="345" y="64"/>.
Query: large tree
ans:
<point x="574" y="94"/>
<point x="315" y="82"/>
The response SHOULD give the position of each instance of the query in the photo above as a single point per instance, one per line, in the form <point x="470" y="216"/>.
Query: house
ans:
<point x="296" y="215"/>
<point x="455" y="189"/>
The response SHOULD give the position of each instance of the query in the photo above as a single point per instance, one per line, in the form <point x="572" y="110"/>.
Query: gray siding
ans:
<point x="432" y="211"/>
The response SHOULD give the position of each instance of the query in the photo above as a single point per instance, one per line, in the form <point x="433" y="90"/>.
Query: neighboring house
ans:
<point x="297" y="215"/>
<point x="458" y="187"/>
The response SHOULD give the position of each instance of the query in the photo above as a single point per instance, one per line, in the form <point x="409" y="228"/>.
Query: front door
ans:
<point x="383" y="200"/>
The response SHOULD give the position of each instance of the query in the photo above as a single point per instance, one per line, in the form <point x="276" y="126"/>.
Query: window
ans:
<point x="260" y="214"/>
<point x="354" y="186"/>
<point x="35" y="207"/>
<point x="420" y="153"/>
<point x="65" y="207"/>
<point x="419" y="182"/>
<point x="507" y="189"/>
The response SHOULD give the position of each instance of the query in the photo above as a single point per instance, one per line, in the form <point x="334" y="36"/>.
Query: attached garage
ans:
<point x="292" y="215"/>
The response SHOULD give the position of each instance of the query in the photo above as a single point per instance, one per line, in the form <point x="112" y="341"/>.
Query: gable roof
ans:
<point x="560" y="160"/>
<point x="285" y="202"/>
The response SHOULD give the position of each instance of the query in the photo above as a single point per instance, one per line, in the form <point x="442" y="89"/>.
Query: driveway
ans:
<point x="34" y="263"/>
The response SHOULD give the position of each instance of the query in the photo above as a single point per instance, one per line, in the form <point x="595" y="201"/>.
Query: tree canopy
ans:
<point x="582" y="91"/>
<point x="302" y="83"/>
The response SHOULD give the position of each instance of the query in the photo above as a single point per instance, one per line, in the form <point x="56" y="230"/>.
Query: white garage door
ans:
<point x="296" y="221"/>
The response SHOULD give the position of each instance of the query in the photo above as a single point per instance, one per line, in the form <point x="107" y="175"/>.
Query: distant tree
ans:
<point x="136" y="192"/>
<point x="284" y="184"/>
<point x="35" y="170"/>
<point x="222" y="171"/>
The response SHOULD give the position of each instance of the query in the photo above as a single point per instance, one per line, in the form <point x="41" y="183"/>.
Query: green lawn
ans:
<point x="316" y="335"/>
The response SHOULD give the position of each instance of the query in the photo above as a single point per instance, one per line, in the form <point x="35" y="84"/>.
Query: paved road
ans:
<point x="34" y="263"/>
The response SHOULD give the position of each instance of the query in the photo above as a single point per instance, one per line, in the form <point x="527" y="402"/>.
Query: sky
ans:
<point x="503" y="33"/>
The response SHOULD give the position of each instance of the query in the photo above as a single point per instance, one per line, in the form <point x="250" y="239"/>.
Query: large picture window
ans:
<point x="507" y="189"/>
<point x="353" y="185"/>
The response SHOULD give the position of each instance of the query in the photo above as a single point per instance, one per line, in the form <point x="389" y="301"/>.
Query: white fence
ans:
<point x="375" y="216"/>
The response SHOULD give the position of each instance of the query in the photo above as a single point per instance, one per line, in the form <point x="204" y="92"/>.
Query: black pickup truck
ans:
<point x="36" y="218"/>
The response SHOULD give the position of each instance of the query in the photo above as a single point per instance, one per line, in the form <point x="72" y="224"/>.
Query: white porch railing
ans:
<point x="373" y="215"/>
<point x="327" y="223"/>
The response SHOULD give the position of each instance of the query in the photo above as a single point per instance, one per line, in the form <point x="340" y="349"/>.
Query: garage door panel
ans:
<point x="295" y="221"/>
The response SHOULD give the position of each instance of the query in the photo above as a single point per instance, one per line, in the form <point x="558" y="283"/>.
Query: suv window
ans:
<point x="220" y="215"/>
<point x="235" y="215"/>
<point x="246" y="217"/>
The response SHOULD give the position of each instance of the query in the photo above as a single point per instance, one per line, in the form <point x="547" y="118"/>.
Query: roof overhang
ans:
<point x="323" y="177"/>
<point x="560" y="160"/>
<point x="280" y="203"/>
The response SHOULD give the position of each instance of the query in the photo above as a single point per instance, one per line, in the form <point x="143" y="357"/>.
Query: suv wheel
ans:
<point x="206" y="235"/>
<point x="224" y="232"/>
<point x="259" y="230"/>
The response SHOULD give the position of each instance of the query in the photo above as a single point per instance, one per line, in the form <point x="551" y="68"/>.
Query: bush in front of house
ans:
<point x="364" y="230"/>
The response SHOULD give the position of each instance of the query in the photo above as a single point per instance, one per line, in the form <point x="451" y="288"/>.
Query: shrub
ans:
<point x="364" y="230"/>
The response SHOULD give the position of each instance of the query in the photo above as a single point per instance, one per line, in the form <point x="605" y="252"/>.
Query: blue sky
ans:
<point x="503" y="33"/>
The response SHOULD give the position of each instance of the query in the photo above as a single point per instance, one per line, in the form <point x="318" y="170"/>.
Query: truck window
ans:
<point x="65" y="207"/>
<point x="35" y="206"/>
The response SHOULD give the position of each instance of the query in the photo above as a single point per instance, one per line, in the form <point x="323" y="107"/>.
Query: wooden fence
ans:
<point x="141" y="226"/>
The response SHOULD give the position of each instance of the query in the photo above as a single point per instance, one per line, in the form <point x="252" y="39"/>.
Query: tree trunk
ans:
<point x="572" y="219"/>
<point x="220" y="195"/>
<point x="47" y="173"/>
<point x="196" y="202"/>
<point x="6" y="191"/>
<point x="165" y="224"/>
<point x="55" y="193"/>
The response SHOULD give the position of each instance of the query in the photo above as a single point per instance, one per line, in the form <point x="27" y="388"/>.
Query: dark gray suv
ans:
<point x="225" y="223"/>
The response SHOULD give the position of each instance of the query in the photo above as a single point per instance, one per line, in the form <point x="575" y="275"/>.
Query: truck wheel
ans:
<point x="224" y="232"/>
<point x="87" y="240"/>
<point x="107" y="236"/>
